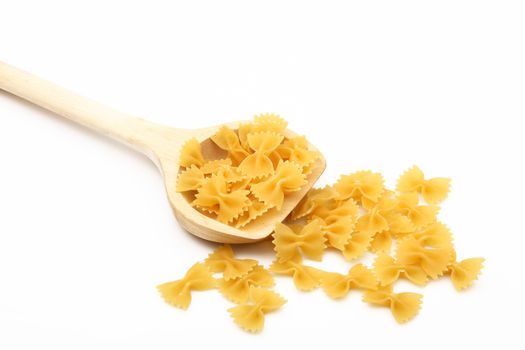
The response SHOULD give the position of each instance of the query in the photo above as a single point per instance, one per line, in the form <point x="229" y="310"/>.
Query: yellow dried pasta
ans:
<point x="290" y="241"/>
<point x="228" y="140"/>
<point x="214" y="195"/>
<point x="250" y="315"/>
<point x="288" y="177"/>
<point x="178" y="293"/>
<point x="258" y="164"/>
<point x="355" y="216"/>
<point x="463" y="273"/>
<point x="433" y="190"/>
<point x="269" y="122"/>
<point x="404" y="306"/>
<point x="304" y="277"/>
<point x="419" y="215"/>
<point x="389" y="271"/>
<point x="237" y="289"/>
<point x="223" y="260"/>
<point x="433" y="261"/>
<point x="191" y="154"/>
<point x="337" y="285"/>
<point x="360" y="185"/>
<point x="261" y="168"/>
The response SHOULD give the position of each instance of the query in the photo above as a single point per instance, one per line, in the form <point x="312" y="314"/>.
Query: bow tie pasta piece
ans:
<point x="255" y="209"/>
<point x="191" y="154"/>
<point x="242" y="131"/>
<point x="420" y="215"/>
<point x="237" y="289"/>
<point x="228" y="140"/>
<point x="296" y="149"/>
<point x="433" y="190"/>
<point x="288" y="177"/>
<point x="338" y="230"/>
<point x="190" y="179"/>
<point x="178" y="293"/>
<point x="388" y="271"/>
<point x="250" y="316"/>
<point x="357" y="245"/>
<point x="309" y="239"/>
<point x="305" y="278"/>
<point x="436" y="235"/>
<point x="258" y="164"/>
<point x="312" y="200"/>
<point x="214" y="196"/>
<point x="359" y="185"/>
<point x="222" y="260"/>
<point x="404" y="306"/>
<point x="381" y="242"/>
<point x="212" y="166"/>
<point x="377" y="216"/>
<point x="433" y="261"/>
<point x="338" y="222"/>
<point x="337" y="285"/>
<point x="465" y="272"/>
<point x="269" y="122"/>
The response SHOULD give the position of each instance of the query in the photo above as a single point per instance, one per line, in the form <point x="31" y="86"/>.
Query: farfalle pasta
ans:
<point x="178" y="293"/>
<point x="389" y="271"/>
<point x="419" y="215"/>
<point x="433" y="261"/>
<point x="464" y="272"/>
<point x="304" y="277"/>
<point x="191" y="154"/>
<point x="338" y="220"/>
<point x="433" y="190"/>
<point x="260" y="169"/>
<point x="288" y="177"/>
<point x="404" y="306"/>
<point x="357" y="215"/>
<point x="258" y="164"/>
<point x="215" y="197"/>
<point x="237" y="289"/>
<point x="223" y="260"/>
<point x="290" y="241"/>
<point x="360" y="185"/>
<point x="250" y="315"/>
<point x="337" y="285"/>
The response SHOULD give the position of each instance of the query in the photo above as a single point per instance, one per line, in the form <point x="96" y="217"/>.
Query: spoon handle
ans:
<point x="132" y="131"/>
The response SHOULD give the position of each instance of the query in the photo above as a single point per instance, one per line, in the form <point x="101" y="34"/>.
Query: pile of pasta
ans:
<point x="355" y="216"/>
<point x="260" y="169"/>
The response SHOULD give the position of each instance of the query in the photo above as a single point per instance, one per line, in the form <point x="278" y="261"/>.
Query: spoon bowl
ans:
<point x="162" y="144"/>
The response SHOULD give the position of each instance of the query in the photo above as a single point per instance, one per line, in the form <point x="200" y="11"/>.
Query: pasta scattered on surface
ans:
<point x="355" y="216"/>
<point x="337" y="285"/>
<point x="304" y="277"/>
<point x="262" y="166"/>
<point x="360" y="185"/>
<point x="389" y="271"/>
<point x="465" y="272"/>
<point x="250" y="316"/>
<point x="433" y="190"/>
<point x="222" y="260"/>
<point x="404" y="306"/>
<point x="237" y="289"/>
<point x="178" y="293"/>
<point x="291" y="241"/>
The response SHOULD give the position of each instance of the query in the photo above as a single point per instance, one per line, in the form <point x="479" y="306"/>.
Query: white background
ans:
<point x="86" y="232"/>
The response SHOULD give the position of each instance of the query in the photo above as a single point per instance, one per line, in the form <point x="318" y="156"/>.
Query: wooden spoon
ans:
<point x="159" y="143"/>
